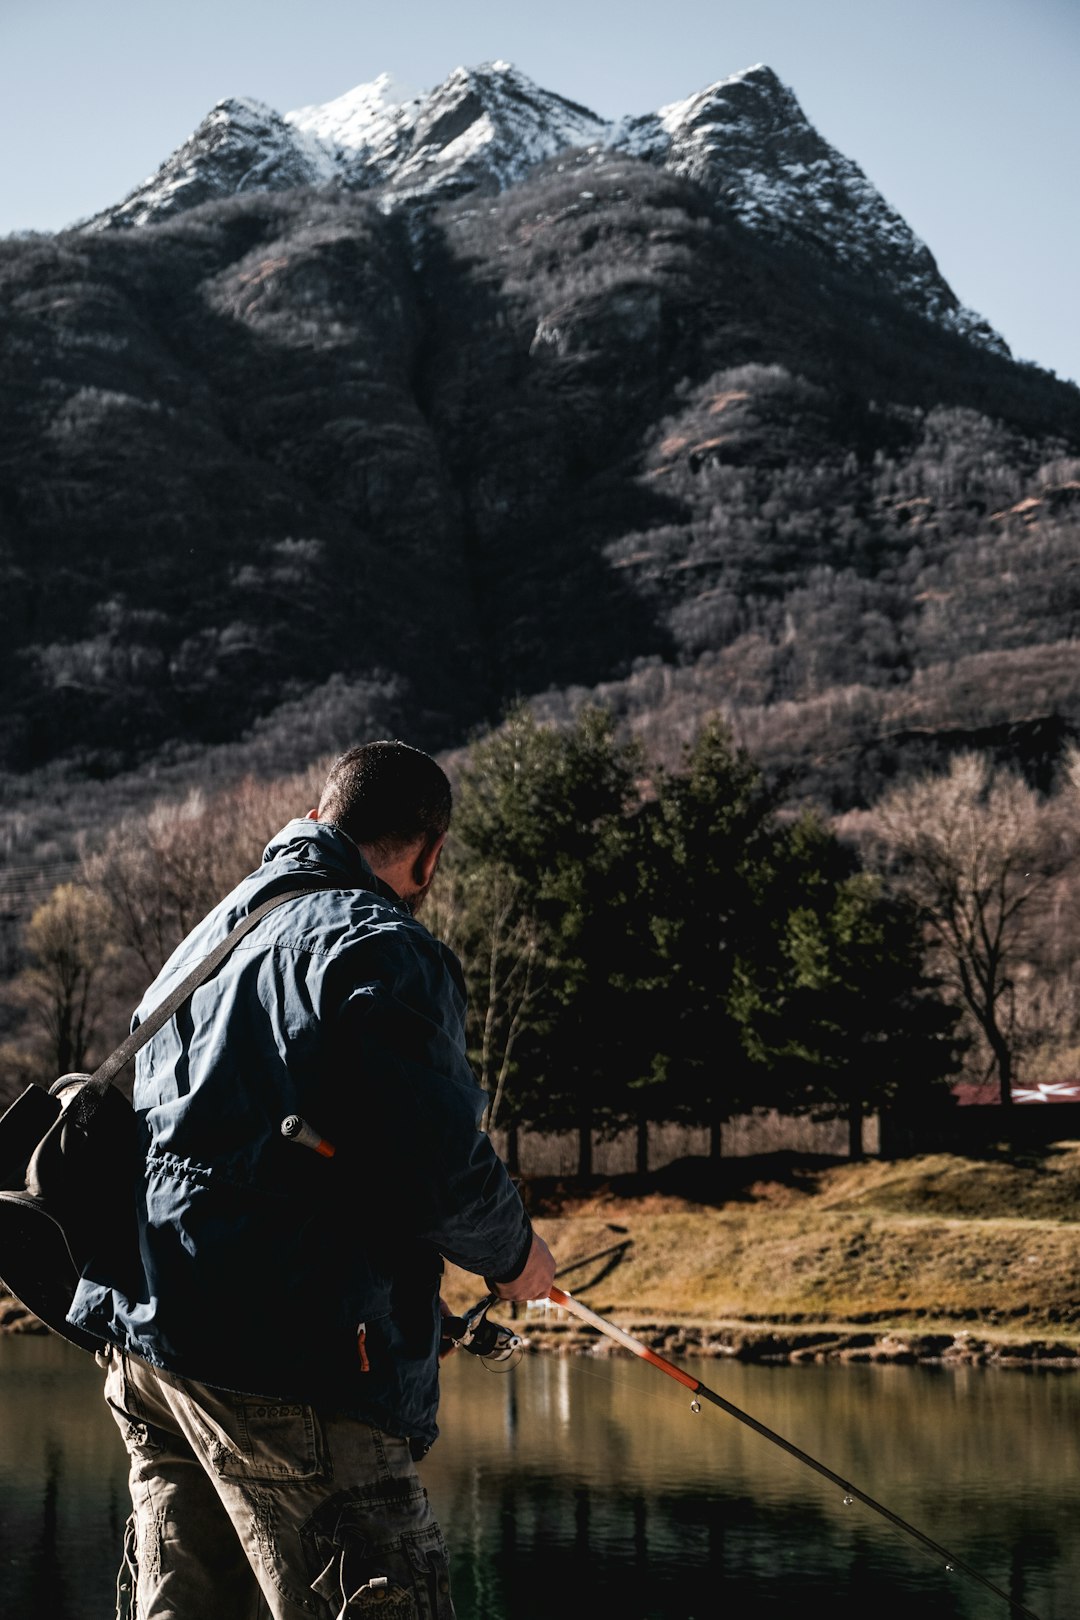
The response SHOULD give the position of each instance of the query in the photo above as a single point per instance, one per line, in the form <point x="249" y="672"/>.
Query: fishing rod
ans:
<point x="480" y="1336"/>
<point x="700" y="1392"/>
<point x="493" y="1343"/>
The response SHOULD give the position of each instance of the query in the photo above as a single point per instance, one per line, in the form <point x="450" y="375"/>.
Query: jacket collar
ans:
<point x="322" y="846"/>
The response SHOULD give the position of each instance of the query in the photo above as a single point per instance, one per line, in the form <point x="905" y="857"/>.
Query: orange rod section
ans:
<point x="666" y="1366"/>
<point x="558" y="1296"/>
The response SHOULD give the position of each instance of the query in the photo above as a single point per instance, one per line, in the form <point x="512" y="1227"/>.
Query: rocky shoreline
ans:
<point x="738" y="1341"/>
<point x="15" y="1318"/>
<point x="757" y="1342"/>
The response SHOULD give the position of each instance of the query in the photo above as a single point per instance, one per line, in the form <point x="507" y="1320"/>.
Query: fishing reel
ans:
<point x="496" y="1345"/>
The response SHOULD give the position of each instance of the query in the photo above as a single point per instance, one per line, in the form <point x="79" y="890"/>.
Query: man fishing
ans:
<point x="274" y="1371"/>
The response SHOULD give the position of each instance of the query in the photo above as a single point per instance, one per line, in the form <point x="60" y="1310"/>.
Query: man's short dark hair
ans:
<point x="386" y="794"/>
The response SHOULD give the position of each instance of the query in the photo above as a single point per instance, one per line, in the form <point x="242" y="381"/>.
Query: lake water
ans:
<point x="588" y="1483"/>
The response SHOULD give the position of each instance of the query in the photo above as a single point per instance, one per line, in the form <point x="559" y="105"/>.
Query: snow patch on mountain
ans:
<point x="368" y="127"/>
<point x="482" y="126"/>
<point x="347" y="122"/>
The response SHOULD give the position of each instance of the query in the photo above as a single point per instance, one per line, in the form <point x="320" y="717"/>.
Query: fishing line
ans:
<point x="504" y="1343"/>
<point x="585" y="1367"/>
<point x="852" y="1493"/>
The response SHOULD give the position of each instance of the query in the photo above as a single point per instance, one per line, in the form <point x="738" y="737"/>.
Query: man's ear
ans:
<point x="427" y="861"/>
<point x="312" y="815"/>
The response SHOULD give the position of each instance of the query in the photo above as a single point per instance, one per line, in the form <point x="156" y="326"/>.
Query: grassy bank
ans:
<point x="789" y="1257"/>
<point x="792" y="1257"/>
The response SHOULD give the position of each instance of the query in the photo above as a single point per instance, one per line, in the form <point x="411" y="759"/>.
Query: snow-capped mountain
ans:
<point x="366" y="129"/>
<point x="654" y="426"/>
<point x="747" y="140"/>
<point x="744" y="138"/>
<point x="241" y="145"/>
<point x="482" y="126"/>
<point x="485" y="125"/>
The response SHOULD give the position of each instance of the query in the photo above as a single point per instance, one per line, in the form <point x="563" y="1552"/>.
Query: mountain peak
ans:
<point x="754" y="97"/>
<point x="485" y="126"/>
<point x="381" y="96"/>
<point x="359" y="126"/>
<point x="241" y="107"/>
<point x="746" y="140"/>
<point x="241" y="145"/>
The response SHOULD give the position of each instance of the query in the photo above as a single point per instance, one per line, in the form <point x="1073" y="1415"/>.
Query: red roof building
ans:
<point x="968" y="1093"/>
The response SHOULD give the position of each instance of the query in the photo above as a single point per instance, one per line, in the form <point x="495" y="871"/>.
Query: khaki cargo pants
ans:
<point x="245" y="1508"/>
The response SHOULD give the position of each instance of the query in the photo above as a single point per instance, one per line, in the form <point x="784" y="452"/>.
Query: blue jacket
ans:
<point x="266" y="1268"/>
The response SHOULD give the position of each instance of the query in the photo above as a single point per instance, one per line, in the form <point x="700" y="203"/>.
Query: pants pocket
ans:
<point x="378" y="1593"/>
<point x="360" y="1566"/>
<point x="259" y="1440"/>
<point x="431" y="1574"/>
<point x="142" y="1440"/>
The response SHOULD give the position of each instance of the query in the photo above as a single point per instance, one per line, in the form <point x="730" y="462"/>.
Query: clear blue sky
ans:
<point x="964" y="113"/>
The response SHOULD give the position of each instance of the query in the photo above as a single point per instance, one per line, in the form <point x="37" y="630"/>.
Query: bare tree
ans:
<point x="480" y="913"/>
<point x="509" y="948"/>
<point x="61" y="991"/>
<point x="976" y="849"/>
<point x="159" y="873"/>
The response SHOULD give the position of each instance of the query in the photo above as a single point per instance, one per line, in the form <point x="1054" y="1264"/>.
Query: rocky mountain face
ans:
<point x="747" y="141"/>
<point x="241" y="145"/>
<point x="384" y="414"/>
<point x="744" y="139"/>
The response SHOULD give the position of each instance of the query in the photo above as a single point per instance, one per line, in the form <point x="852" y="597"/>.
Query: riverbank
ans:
<point x="788" y="1258"/>
<point x="742" y="1341"/>
<point x="938" y="1259"/>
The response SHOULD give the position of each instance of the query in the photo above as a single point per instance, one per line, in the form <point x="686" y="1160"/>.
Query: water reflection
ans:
<point x="63" y="1484"/>
<point x="581" y="1482"/>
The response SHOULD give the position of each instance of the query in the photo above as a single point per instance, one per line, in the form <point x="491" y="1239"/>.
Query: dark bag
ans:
<point x="70" y="1164"/>
<point x="67" y="1195"/>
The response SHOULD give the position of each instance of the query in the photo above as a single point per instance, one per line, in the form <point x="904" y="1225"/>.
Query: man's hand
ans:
<point x="534" y="1280"/>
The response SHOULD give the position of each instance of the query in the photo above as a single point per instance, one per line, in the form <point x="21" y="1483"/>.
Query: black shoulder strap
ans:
<point x="103" y="1076"/>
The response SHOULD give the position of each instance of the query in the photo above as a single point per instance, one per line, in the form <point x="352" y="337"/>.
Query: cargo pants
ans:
<point x="244" y="1508"/>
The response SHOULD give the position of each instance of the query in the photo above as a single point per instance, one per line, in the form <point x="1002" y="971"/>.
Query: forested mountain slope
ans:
<point x="350" y="454"/>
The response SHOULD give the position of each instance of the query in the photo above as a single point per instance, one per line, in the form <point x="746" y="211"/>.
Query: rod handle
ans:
<point x="295" y="1129"/>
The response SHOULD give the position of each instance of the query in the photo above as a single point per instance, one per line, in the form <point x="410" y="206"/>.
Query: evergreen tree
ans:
<point x="703" y="843"/>
<point x="554" y="808"/>
<point x="832" y="1000"/>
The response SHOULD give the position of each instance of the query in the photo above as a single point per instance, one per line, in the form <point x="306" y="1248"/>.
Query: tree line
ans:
<point x="652" y="944"/>
<point x="645" y="943"/>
